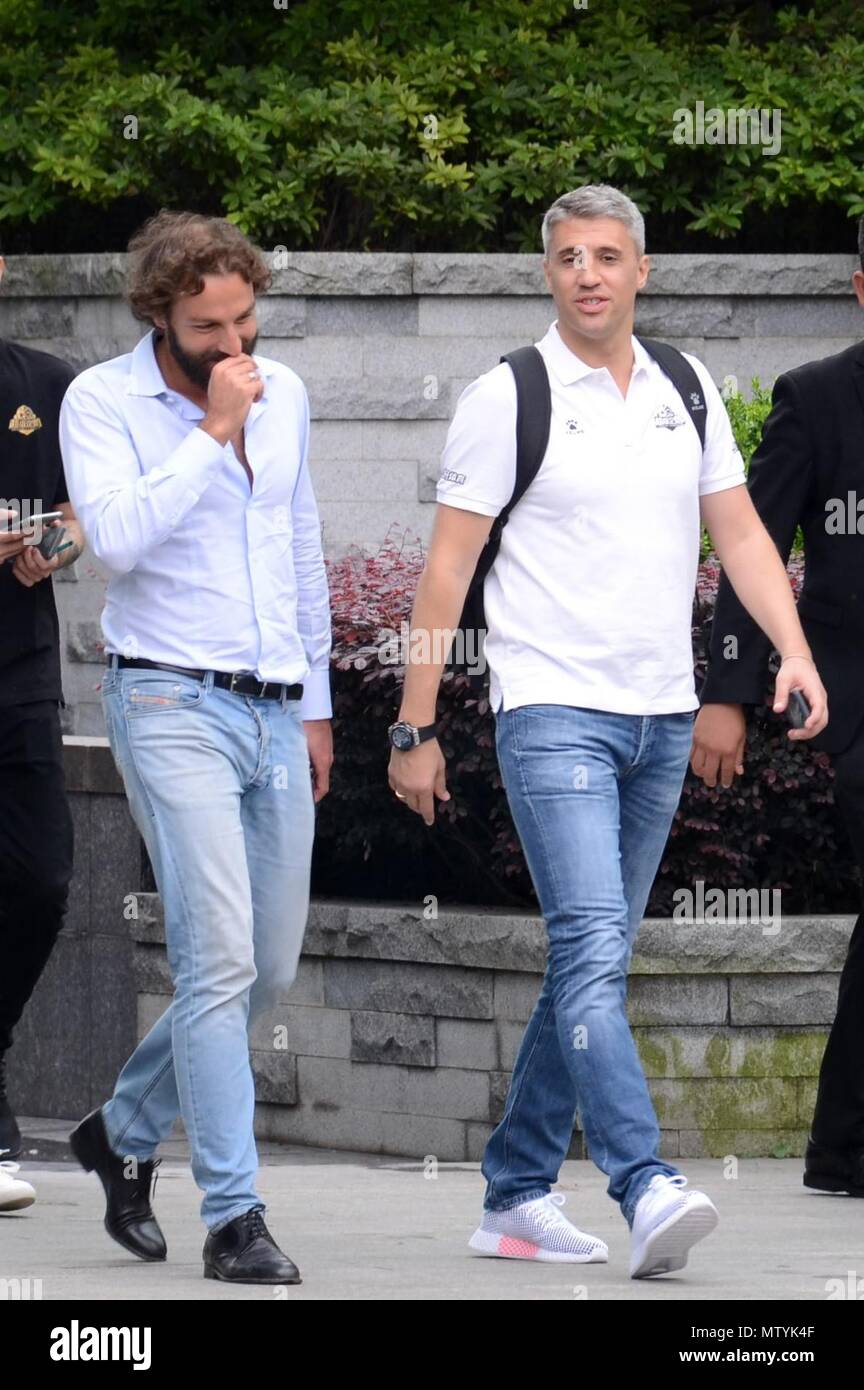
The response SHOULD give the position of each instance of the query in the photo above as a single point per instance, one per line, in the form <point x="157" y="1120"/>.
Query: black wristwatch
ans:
<point x="404" y="736"/>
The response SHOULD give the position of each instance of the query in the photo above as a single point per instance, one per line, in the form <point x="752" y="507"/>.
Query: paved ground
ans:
<point x="362" y="1226"/>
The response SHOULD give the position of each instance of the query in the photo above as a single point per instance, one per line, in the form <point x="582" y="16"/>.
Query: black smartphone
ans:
<point x="797" y="710"/>
<point x="51" y="542"/>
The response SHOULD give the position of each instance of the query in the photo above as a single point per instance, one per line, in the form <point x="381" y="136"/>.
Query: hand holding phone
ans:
<point x="17" y="534"/>
<point x="801" y="696"/>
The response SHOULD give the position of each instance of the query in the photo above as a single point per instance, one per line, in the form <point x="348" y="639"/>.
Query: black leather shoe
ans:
<point x="129" y="1217"/>
<point x="834" y="1170"/>
<point x="244" y="1252"/>
<point x="10" y="1134"/>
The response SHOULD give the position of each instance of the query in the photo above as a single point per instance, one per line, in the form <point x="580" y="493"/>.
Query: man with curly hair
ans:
<point x="188" y="462"/>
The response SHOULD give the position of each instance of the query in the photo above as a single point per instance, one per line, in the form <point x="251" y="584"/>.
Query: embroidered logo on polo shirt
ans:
<point x="448" y="476"/>
<point x="573" y="427"/>
<point x="24" y="421"/>
<point x="666" y="419"/>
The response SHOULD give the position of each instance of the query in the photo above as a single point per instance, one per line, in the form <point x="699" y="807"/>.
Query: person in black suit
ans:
<point x="808" y="471"/>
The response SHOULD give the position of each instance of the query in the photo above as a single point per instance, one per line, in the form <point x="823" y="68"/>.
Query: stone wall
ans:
<point x="400" y="1032"/>
<point x="386" y="342"/>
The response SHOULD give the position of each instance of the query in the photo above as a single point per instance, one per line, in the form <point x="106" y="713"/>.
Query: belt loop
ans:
<point x="113" y="661"/>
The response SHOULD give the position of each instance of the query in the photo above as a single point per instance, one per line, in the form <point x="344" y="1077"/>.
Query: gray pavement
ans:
<point x="366" y="1226"/>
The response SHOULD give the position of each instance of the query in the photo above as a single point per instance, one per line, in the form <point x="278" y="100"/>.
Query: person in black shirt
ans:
<point x="36" y="842"/>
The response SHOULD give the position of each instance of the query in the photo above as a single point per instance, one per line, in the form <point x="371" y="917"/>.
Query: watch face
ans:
<point x="401" y="737"/>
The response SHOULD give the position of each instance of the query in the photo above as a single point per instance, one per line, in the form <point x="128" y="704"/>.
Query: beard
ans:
<point x="198" y="365"/>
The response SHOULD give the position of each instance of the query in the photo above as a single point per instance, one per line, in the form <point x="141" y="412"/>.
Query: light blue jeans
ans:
<point x="220" y="789"/>
<point x="592" y="795"/>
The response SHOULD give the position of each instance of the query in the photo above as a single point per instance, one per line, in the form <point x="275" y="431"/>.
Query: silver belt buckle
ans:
<point x="243" y="675"/>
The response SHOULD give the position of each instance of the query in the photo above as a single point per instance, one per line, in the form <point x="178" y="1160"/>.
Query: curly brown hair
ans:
<point x="173" y="251"/>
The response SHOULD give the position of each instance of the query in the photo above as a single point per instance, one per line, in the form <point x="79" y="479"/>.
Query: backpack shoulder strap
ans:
<point x="533" y="418"/>
<point x="683" y="378"/>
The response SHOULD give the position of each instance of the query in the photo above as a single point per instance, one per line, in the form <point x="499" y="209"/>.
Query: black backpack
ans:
<point x="533" y="419"/>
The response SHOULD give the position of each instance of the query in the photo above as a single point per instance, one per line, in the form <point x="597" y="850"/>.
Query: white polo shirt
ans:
<point x="589" y="600"/>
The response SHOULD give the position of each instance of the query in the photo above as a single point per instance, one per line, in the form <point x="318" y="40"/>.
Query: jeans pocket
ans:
<point x="160" y="692"/>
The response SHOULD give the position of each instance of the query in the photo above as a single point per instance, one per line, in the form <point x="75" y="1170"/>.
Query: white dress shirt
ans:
<point x="589" y="600"/>
<point x="205" y="571"/>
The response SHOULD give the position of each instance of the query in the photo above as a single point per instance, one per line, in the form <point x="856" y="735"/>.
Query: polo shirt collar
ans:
<point x="145" y="378"/>
<point x="569" y="368"/>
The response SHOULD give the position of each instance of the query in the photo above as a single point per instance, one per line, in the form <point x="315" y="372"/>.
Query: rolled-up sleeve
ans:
<point x="125" y="512"/>
<point x="313" y="595"/>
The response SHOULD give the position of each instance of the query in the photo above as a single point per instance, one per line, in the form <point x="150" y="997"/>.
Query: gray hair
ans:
<point x="595" y="200"/>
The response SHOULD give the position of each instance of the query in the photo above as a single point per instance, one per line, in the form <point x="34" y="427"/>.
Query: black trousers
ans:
<point x="36" y="849"/>
<point x="838" y="1119"/>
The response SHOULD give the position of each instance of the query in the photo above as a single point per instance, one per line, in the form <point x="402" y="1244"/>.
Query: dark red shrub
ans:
<point x="776" y="828"/>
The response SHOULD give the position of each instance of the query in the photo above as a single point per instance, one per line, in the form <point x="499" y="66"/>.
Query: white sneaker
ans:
<point x="14" y="1192"/>
<point x="537" y="1231"/>
<point x="666" y="1223"/>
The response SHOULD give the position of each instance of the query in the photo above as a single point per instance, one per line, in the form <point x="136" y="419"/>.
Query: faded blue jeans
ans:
<point x="592" y="795"/>
<point x="220" y="789"/>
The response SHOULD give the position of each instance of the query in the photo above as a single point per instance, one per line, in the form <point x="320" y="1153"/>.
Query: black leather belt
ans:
<point x="239" y="682"/>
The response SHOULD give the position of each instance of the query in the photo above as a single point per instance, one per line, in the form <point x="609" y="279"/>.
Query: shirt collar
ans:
<point x="145" y="378"/>
<point x="569" y="368"/>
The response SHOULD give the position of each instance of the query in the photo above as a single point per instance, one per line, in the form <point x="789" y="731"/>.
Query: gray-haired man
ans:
<point x="588" y="605"/>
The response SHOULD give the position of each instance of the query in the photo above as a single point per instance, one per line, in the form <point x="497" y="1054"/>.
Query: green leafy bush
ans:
<point x="409" y="125"/>
<point x="747" y="415"/>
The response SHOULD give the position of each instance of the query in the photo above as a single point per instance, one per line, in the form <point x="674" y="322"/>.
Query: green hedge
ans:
<point x="405" y="124"/>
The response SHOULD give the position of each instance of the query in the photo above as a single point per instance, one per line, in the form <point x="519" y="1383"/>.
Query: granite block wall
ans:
<point x="386" y="342"/>
<point x="400" y="1034"/>
<point x="401" y="1030"/>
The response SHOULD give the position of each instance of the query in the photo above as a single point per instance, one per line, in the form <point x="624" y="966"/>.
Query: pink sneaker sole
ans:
<point x="512" y="1248"/>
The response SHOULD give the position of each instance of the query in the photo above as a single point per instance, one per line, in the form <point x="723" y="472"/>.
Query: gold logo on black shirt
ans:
<point x="25" y="421"/>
